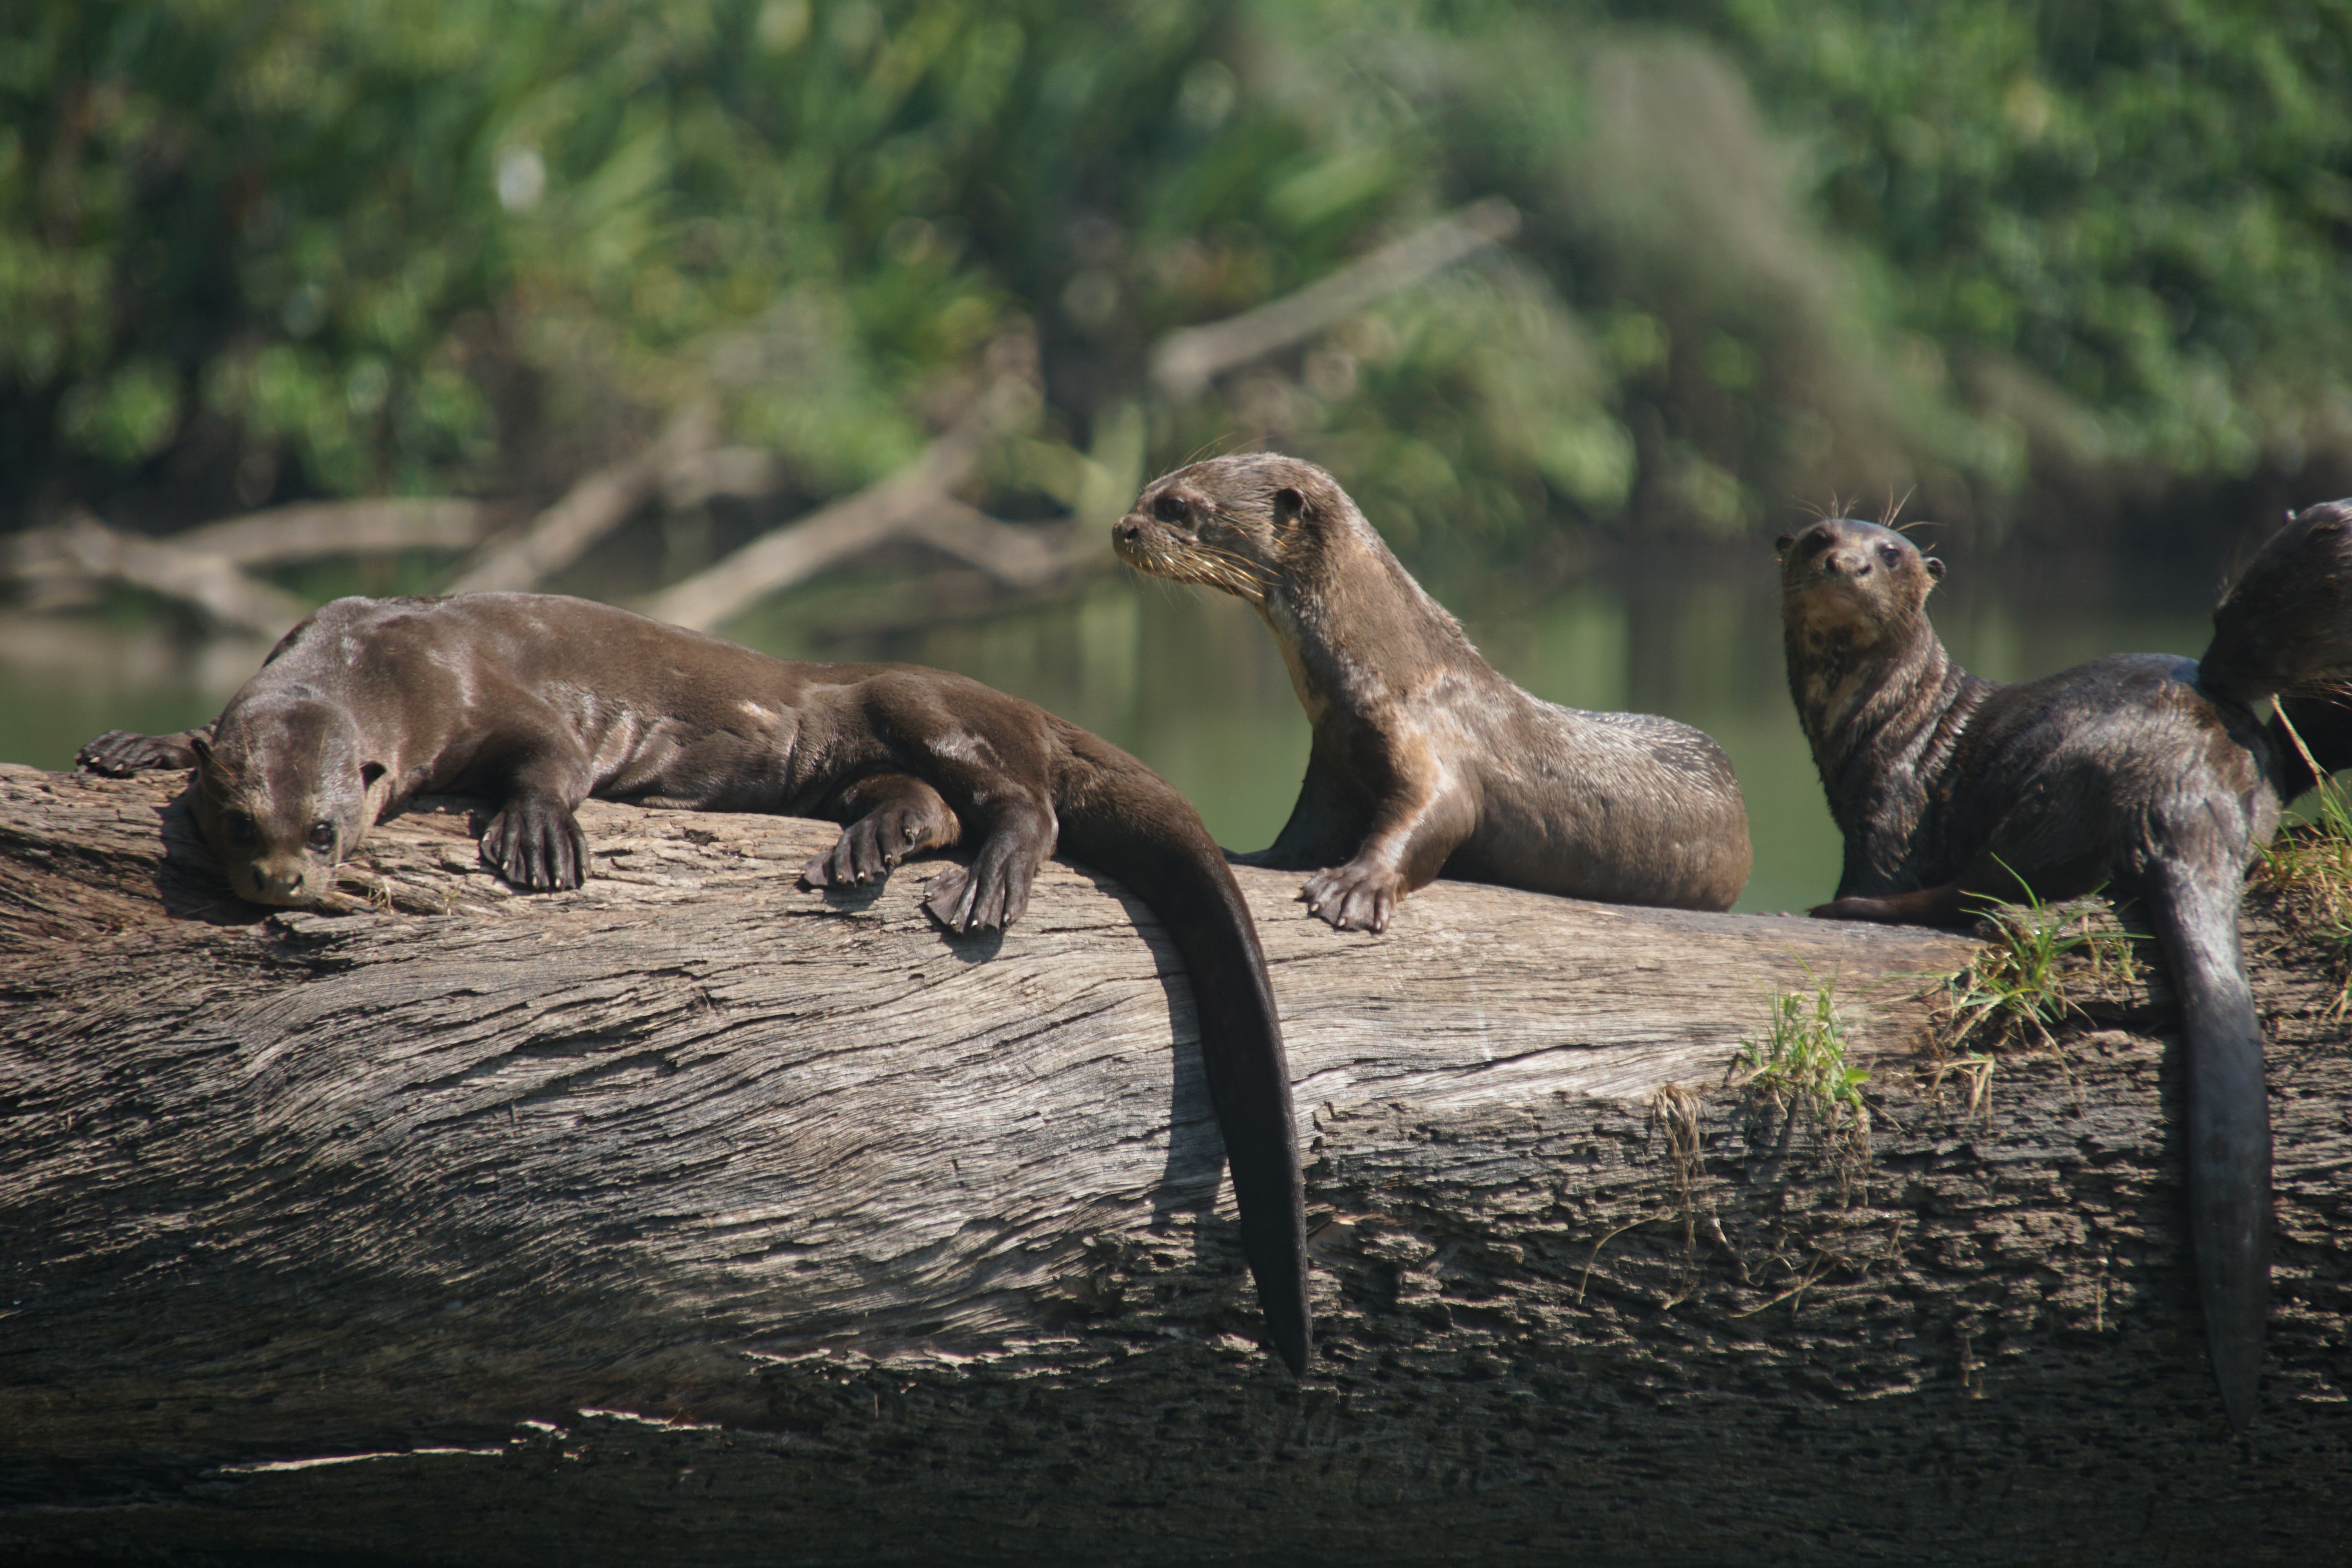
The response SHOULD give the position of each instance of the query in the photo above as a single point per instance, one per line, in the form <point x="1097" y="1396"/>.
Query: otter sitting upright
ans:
<point x="543" y="701"/>
<point x="2154" y="776"/>
<point x="1425" y="761"/>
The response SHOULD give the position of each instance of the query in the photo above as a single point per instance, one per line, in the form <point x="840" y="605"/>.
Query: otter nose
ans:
<point x="1846" y="564"/>
<point x="1126" y="530"/>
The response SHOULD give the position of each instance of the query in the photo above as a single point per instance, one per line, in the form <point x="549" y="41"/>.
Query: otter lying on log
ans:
<point x="2155" y="777"/>
<point x="543" y="701"/>
<point x="1426" y="762"/>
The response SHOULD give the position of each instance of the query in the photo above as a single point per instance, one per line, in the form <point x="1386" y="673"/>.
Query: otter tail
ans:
<point x="2196" y="917"/>
<point x="1158" y="847"/>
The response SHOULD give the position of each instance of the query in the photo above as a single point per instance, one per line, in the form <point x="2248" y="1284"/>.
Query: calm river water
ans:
<point x="1192" y="683"/>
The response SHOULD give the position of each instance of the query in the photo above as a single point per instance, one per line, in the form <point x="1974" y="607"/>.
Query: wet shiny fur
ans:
<point x="540" y="701"/>
<point x="1425" y="761"/>
<point x="2155" y="777"/>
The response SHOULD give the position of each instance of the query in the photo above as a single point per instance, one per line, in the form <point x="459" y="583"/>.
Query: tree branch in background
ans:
<point x="1188" y="360"/>
<point x="684" y="467"/>
<point x="738" y="473"/>
<point x="200" y="566"/>
<point x="913" y="503"/>
<point x="590" y="509"/>
<point x="85" y="548"/>
<point x="799" y="550"/>
<point x="1019" y="557"/>
<point x="307" y="530"/>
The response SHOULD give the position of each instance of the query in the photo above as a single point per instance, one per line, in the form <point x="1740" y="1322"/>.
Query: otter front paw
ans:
<point x="118" y="754"/>
<point x="1352" y="897"/>
<point x="1844" y="910"/>
<point x="990" y="895"/>
<point x="536" y="844"/>
<point x="1943" y="905"/>
<point x="868" y="849"/>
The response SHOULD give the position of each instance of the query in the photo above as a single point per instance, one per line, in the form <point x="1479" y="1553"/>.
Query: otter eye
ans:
<point x="1170" y="508"/>
<point x="322" y="835"/>
<point x="1891" y="553"/>
<point x="240" y="829"/>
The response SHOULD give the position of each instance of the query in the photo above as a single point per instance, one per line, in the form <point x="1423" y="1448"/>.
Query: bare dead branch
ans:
<point x="592" y="508"/>
<point x="210" y="582"/>
<point x="1187" y="360"/>
<point x="1019" y="557"/>
<point x="913" y="502"/>
<point x="738" y="473"/>
<point x="309" y="531"/>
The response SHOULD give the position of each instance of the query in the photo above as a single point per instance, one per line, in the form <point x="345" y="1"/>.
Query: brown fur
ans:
<point x="2154" y="777"/>
<point x="1426" y="760"/>
<point x="540" y="701"/>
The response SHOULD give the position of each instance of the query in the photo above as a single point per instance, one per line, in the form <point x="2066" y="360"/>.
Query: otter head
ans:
<point x="2286" y="625"/>
<point x="284" y="792"/>
<point x="1231" y="523"/>
<point x="1855" y="580"/>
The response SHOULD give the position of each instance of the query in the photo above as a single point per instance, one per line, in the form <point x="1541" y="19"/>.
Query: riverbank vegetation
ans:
<point x="2046" y="272"/>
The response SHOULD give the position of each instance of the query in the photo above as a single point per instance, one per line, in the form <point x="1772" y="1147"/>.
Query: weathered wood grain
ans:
<point x="698" y="1215"/>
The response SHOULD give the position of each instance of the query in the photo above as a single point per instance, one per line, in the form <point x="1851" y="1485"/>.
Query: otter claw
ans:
<point x="950" y="898"/>
<point x="1350" y="900"/>
<point x="870" y="849"/>
<point x="989" y="895"/>
<point x="536" y="845"/>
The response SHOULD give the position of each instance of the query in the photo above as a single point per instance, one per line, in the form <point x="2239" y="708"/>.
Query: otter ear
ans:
<point x="369" y="774"/>
<point x="1780" y="545"/>
<point x="1289" y="507"/>
<point x="1934" y="567"/>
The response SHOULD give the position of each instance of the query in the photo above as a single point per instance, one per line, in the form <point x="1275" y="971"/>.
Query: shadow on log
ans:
<point x="697" y="1217"/>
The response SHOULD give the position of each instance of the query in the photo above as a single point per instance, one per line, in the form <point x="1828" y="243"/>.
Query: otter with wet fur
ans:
<point x="541" y="702"/>
<point x="2155" y="777"/>
<point x="1425" y="761"/>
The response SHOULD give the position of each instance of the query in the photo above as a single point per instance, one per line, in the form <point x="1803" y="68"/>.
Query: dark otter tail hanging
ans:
<point x="2285" y="631"/>
<point x="2194" y="905"/>
<point x="1172" y="864"/>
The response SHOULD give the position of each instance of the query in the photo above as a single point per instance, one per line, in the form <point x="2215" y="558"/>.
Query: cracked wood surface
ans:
<point x="697" y="1215"/>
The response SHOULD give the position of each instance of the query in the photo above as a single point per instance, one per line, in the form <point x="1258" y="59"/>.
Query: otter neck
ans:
<point x="1884" y="715"/>
<point x="1355" y="629"/>
<point x="2226" y="687"/>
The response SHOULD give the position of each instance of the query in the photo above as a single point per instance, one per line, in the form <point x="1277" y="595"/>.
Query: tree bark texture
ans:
<point x="696" y="1216"/>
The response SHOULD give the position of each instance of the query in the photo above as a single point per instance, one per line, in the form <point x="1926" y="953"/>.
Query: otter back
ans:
<point x="1425" y="761"/>
<point x="2154" y="777"/>
<point x="540" y="701"/>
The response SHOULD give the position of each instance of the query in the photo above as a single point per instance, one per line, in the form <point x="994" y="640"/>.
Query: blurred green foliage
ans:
<point x="257" y="250"/>
<point x="2147" y="204"/>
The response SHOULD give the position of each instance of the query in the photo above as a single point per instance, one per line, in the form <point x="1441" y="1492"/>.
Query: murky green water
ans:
<point x="1191" y="682"/>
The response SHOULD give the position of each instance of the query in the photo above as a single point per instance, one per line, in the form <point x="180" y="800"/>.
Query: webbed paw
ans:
<point x="536" y="844"/>
<point x="1352" y="897"/>
<point x="989" y="895"/>
<point x="868" y="849"/>
<point x="118" y="754"/>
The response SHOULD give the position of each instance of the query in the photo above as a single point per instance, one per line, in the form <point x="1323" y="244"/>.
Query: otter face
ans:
<point x="1841" y="574"/>
<point x="282" y="796"/>
<point x="1212" y="525"/>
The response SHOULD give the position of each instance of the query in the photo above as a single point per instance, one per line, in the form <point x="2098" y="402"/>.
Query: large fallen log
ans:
<point x="696" y="1216"/>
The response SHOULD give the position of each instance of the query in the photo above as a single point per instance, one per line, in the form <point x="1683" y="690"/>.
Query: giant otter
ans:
<point x="1425" y="761"/>
<point x="2155" y="777"/>
<point x="541" y="702"/>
